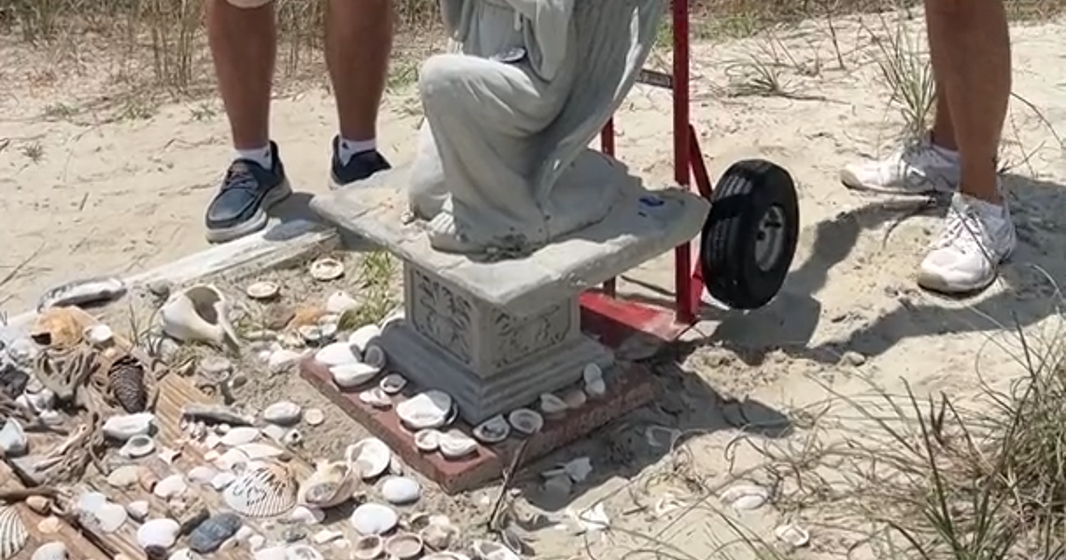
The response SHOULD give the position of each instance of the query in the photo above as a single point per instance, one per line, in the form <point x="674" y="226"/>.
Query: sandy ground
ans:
<point x="82" y="196"/>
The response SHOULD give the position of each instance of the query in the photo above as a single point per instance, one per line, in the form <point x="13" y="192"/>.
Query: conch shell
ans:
<point x="332" y="483"/>
<point x="199" y="313"/>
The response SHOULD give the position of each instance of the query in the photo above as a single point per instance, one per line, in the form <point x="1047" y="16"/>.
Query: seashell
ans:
<point x="337" y="354"/>
<point x="222" y="480"/>
<point x="596" y="389"/>
<point x="314" y="417"/>
<point x="326" y="269"/>
<point x="39" y="504"/>
<point x="50" y="525"/>
<point x="170" y="487"/>
<point x="427" y="440"/>
<point x="393" y="383"/>
<point x="368" y="547"/>
<point x="256" y="451"/>
<point x="13" y="532"/>
<point x="488" y="550"/>
<point x="493" y="430"/>
<point x="312" y="334"/>
<point x="430" y="409"/>
<point x="439" y="536"/>
<point x="526" y="421"/>
<point x="127" y="426"/>
<point x="552" y="406"/>
<point x="231" y="459"/>
<point x="168" y="455"/>
<point x="340" y="301"/>
<point x="54" y="550"/>
<point x="262" y="490"/>
<point x="401" y="490"/>
<point x="262" y="290"/>
<point x="575" y="399"/>
<point x="302" y="552"/>
<point x="375" y="356"/>
<point x="326" y="536"/>
<point x="90" y="502"/>
<point x="214" y="369"/>
<point x="161" y="533"/>
<point x="184" y="554"/>
<point x="455" y="444"/>
<point x="240" y="435"/>
<point x="280" y="359"/>
<point x="332" y="483"/>
<point x="81" y="292"/>
<point x="57" y="328"/>
<point x="743" y="497"/>
<point x="371" y="456"/>
<point x="376" y="398"/>
<point x="13" y="440"/>
<point x="138" y="510"/>
<point x="363" y="336"/>
<point x="209" y="535"/>
<point x="793" y="535"/>
<point x="354" y="374"/>
<point x="111" y="517"/>
<point x="201" y="474"/>
<point x="271" y="553"/>
<point x="404" y="546"/>
<point x="292" y="438"/>
<point x="199" y="313"/>
<point x="282" y="413"/>
<point x="373" y="519"/>
<point x="99" y="336"/>
<point x="125" y="382"/>
<point x="137" y="447"/>
<point x="307" y="515"/>
<point x="592" y="373"/>
<point x="147" y="480"/>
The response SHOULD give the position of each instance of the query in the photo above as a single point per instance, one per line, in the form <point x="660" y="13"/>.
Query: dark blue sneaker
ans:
<point x="361" y="166"/>
<point x="247" y="192"/>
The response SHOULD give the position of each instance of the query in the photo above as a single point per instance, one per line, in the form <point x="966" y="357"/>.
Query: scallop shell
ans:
<point x="331" y="484"/>
<point x="393" y="383"/>
<point x="526" y="421"/>
<point x="13" y="532"/>
<point x="326" y="269"/>
<point x="371" y="456"/>
<point x="456" y="445"/>
<point x="354" y="374"/>
<point x="125" y="382"/>
<point x="493" y="430"/>
<point x="262" y="490"/>
<point x="404" y="546"/>
<point x="262" y="290"/>
<point x="425" y="410"/>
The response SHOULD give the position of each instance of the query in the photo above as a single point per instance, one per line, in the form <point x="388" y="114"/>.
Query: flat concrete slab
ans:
<point x="628" y="387"/>
<point x="643" y="224"/>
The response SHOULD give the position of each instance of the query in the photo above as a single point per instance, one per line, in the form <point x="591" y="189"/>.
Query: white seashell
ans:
<point x="368" y="547"/>
<point x="338" y="302"/>
<point x="456" y="445"/>
<point x="363" y="336"/>
<point x="493" y="430"/>
<point x="551" y="406"/>
<point x="262" y="490"/>
<point x="161" y="533"/>
<point x="401" y="490"/>
<point x="526" y="421"/>
<point x="375" y="356"/>
<point x="592" y="373"/>
<point x="439" y="535"/>
<point x="282" y="413"/>
<point x="199" y="313"/>
<point x="214" y="369"/>
<point x="124" y="476"/>
<point x="272" y="553"/>
<point x="326" y="536"/>
<point x="137" y="447"/>
<point x="257" y="451"/>
<point x="374" y="519"/>
<point x="793" y="535"/>
<point x="291" y="438"/>
<point x="337" y="354"/>
<point x="262" y="290"/>
<point x="302" y="552"/>
<point x="314" y="417"/>
<point x="312" y="334"/>
<point x="99" y="335"/>
<point x="111" y="517"/>
<point x="327" y="330"/>
<point x="326" y="269"/>
<point x="488" y="550"/>
<point x="280" y="359"/>
<point x="223" y="479"/>
<point x="393" y="383"/>
<point x="138" y="510"/>
<point x="425" y="410"/>
<point x="596" y="389"/>
<point x="240" y="435"/>
<point x="201" y="475"/>
<point x="54" y="550"/>
<point x="90" y="502"/>
<point x="332" y="483"/>
<point x="13" y="532"/>
<point x="371" y="456"/>
<point x="126" y="426"/>
<point x="13" y="440"/>
<point x="354" y="374"/>
<point x="743" y="497"/>
<point x="404" y="546"/>
<point x="184" y="554"/>
<point x="427" y="440"/>
<point x="376" y="398"/>
<point x="307" y="515"/>
<point x="172" y="486"/>
<point x="230" y="459"/>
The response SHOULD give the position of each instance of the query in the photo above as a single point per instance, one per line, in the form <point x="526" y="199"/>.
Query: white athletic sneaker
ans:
<point x="977" y="237"/>
<point x="917" y="168"/>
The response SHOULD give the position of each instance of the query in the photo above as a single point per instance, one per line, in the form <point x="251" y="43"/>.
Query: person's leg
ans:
<point x="242" y="37"/>
<point x="943" y="132"/>
<point x="358" y="45"/>
<point x="970" y="48"/>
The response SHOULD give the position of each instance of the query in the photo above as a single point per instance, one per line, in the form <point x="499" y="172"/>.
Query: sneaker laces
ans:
<point x="964" y="232"/>
<point x="239" y="176"/>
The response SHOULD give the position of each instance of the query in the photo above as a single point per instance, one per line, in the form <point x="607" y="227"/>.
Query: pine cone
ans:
<point x="126" y="384"/>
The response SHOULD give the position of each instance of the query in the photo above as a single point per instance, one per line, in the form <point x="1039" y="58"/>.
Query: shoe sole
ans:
<point x="937" y="285"/>
<point x="851" y="182"/>
<point x="258" y="220"/>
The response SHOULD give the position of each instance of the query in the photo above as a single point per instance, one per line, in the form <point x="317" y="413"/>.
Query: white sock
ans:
<point x="262" y="156"/>
<point x="348" y="148"/>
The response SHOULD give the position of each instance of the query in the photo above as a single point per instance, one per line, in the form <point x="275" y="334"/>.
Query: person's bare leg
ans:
<point x="943" y="132"/>
<point x="969" y="44"/>
<point x="243" y="45"/>
<point x="358" y="45"/>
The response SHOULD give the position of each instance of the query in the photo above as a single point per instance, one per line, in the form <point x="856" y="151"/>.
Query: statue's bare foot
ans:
<point x="445" y="235"/>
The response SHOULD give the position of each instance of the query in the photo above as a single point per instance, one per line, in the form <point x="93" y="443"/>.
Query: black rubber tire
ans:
<point x="744" y="195"/>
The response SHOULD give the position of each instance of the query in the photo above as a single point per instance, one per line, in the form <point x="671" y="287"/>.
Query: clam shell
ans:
<point x="575" y="399"/>
<point x="13" y="532"/>
<point x="404" y="546"/>
<point x="240" y="435"/>
<point x="326" y="269"/>
<point x="54" y="550"/>
<point x="552" y="406"/>
<point x="137" y="447"/>
<point x="376" y="398"/>
<point x="493" y="430"/>
<point x="282" y="413"/>
<point x="592" y="373"/>
<point x="162" y="533"/>
<point x="393" y="383"/>
<point x="170" y="487"/>
<point x="314" y="417"/>
<point x="401" y="490"/>
<point x="427" y="440"/>
<point x="340" y="301"/>
<point x="262" y="290"/>
<point x="371" y="456"/>
<point x="363" y="336"/>
<point x="374" y="519"/>
<point x="526" y="421"/>
<point x="368" y="547"/>
<point x="111" y="517"/>
<point x="331" y="484"/>
<point x="455" y="444"/>
<point x="126" y="426"/>
<point x="430" y="409"/>
<point x="354" y="374"/>
<point x="262" y="490"/>
<point x="337" y="354"/>
<point x="745" y="497"/>
<point x="596" y="389"/>
<point x="794" y="535"/>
